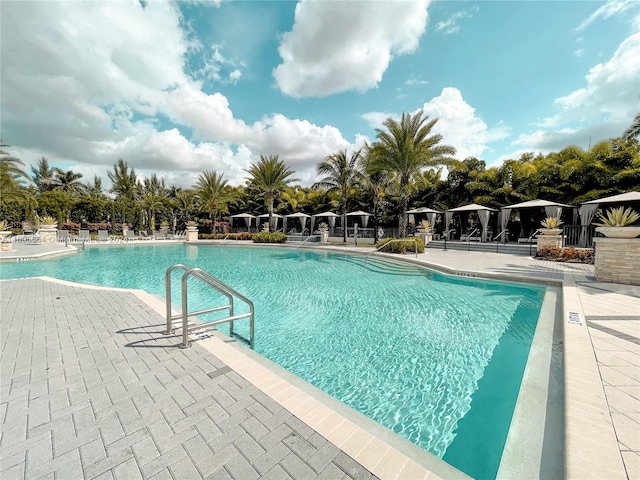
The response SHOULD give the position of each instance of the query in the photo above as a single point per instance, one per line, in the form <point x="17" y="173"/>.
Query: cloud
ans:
<point x="85" y="93"/>
<point x="376" y="119"/>
<point x="340" y="46"/>
<point x="609" y="9"/>
<point x="450" y="25"/>
<point x="460" y="126"/>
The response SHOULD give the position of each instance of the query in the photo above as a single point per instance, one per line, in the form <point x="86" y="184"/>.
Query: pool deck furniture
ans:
<point x="84" y="236"/>
<point x="218" y="408"/>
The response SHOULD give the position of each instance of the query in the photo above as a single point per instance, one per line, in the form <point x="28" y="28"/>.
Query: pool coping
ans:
<point x="588" y="429"/>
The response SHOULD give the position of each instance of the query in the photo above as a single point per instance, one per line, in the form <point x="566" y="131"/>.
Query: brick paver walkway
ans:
<point x="90" y="388"/>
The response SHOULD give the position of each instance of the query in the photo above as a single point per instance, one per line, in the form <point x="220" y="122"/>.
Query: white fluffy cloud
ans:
<point x="85" y="92"/>
<point x="460" y="126"/>
<point x="602" y="109"/>
<point x="339" y="46"/>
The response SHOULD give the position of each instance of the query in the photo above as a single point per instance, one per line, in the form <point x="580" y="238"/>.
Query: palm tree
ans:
<point x="125" y="186"/>
<point x="634" y="129"/>
<point x="341" y="175"/>
<point x="405" y="149"/>
<point x="44" y="176"/>
<point x="291" y="198"/>
<point x="376" y="185"/>
<point x="69" y="181"/>
<point x="269" y="176"/>
<point x="213" y="194"/>
<point x="11" y="175"/>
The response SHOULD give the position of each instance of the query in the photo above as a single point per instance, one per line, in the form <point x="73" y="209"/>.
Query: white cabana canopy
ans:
<point x="588" y="210"/>
<point x="482" y="211"/>
<point x="551" y="209"/>
<point x="302" y="216"/>
<point x="430" y="213"/>
<point x="274" y="219"/>
<point x="623" y="197"/>
<point x="364" y="216"/>
<point x="246" y="216"/>
<point x="329" y="215"/>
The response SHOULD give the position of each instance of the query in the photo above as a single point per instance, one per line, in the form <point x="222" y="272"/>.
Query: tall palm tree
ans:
<point x="69" y="181"/>
<point x="634" y="129"/>
<point x="11" y="175"/>
<point x="405" y="149"/>
<point x="291" y="198"/>
<point x="43" y="176"/>
<point x="269" y="176"/>
<point x="125" y="187"/>
<point x="376" y="184"/>
<point x="342" y="175"/>
<point x="213" y="194"/>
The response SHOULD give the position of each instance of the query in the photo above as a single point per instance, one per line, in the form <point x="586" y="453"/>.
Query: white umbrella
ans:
<point x="247" y="218"/>
<point x="330" y="216"/>
<point x="302" y="216"/>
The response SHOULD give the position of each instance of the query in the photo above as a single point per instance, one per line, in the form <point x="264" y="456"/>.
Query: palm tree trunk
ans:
<point x="344" y="220"/>
<point x="404" y="202"/>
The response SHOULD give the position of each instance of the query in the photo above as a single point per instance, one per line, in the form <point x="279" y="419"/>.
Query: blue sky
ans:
<point x="179" y="88"/>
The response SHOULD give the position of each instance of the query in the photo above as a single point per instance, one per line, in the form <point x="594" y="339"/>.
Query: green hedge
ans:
<point x="393" y="245"/>
<point x="227" y="236"/>
<point x="269" y="237"/>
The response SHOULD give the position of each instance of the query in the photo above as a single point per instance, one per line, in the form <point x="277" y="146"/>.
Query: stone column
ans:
<point x="545" y="241"/>
<point x="618" y="260"/>
<point x="48" y="234"/>
<point x="192" y="234"/>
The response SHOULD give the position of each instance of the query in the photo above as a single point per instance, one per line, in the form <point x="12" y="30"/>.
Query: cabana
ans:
<point x="364" y="217"/>
<point x="330" y="216"/>
<point x="483" y="214"/>
<point x="551" y="209"/>
<point x="430" y="213"/>
<point x="299" y="215"/>
<point x="588" y="211"/>
<point x="274" y="219"/>
<point x="247" y="217"/>
<point x="364" y="232"/>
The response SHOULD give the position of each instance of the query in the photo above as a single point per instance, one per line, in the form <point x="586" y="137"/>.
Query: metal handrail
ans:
<point x="217" y="285"/>
<point x="475" y="230"/>
<point x="506" y="230"/>
<point x="415" y="240"/>
<point x="446" y="236"/>
<point x="310" y="236"/>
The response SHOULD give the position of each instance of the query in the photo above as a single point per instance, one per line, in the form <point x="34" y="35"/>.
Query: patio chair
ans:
<point x="130" y="235"/>
<point x="84" y="236"/>
<point x="157" y="235"/>
<point x="179" y="235"/>
<point x="103" y="235"/>
<point x="62" y="236"/>
<point x="144" y="235"/>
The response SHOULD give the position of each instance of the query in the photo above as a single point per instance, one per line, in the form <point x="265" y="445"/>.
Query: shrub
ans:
<point x="551" y="222"/>
<point x="226" y="236"/>
<point x="568" y="254"/>
<point x="269" y="237"/>
<point x="401" y="245"/>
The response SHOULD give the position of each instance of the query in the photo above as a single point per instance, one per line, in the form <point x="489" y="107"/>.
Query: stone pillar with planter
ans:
<point x="618" y="254"/>
<point x="192" y="232"/>
<point x="550" y="234"/>
<point x="5" y="237"/>
<point x="48" y="231"/>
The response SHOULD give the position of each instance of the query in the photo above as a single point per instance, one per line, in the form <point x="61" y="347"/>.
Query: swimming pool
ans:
<point x="435" y="358"/>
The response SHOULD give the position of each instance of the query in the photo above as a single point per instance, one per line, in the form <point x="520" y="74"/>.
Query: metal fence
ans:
<point x="579" y="235"/>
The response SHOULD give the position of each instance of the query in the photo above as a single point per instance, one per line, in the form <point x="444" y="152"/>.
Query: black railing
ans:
<point x="579" y="235"/>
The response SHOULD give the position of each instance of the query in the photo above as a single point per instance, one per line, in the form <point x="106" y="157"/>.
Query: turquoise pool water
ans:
<point x="435" y="358"/>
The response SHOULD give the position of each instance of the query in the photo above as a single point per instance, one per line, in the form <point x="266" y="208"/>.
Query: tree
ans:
<point x="634" y="129"/>
<point x="269" y="176"/>
<point x="69" y="181"/>
<point x="11" y="188"/>
<point x="43" y="176"/>
<point x="125" y="187"/>
<point x="341" y="175"/>
<point x="376" y="185"/>
<point x="405" y="149"/>
<point x="213" y="194"/>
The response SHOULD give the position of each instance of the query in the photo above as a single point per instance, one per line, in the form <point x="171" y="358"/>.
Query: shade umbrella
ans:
<point x="429" y="212"/>
<point x="364" y="216"/>
<point x="329" y="215"/>
<point x="302" y="216"/>
<point x="588" y="211"/>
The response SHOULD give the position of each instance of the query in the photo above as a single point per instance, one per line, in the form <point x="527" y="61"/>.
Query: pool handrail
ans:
<point x="415" y="240"/>
<point x="300" y="244"/>
<point x="217" y="285"/>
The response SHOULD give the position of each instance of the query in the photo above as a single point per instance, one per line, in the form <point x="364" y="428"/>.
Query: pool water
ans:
<point x="435" y="358"/>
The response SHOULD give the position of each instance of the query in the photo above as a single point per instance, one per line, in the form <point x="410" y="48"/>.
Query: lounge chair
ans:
<point x="62" y="236"/>
<point x="84" y="236"/>
<point x="157" y="235"/>
<point x="143" y="235"/>
<point x="103" y="235"/>
<point x="130" y="235"/>
<point x="179" y="235"/>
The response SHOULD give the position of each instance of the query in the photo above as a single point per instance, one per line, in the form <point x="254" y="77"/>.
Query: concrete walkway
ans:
<point x="103" y="421"/>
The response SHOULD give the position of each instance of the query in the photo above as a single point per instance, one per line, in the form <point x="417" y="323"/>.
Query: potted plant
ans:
<point x="324" y="232"/>
<point x="265" y="227"/>
<point x="617" y="223"/>
<point x="5" y="236"/>
<point x="192" y="231"/>
<point x="551" y="226"/>
<point x="424" y="231"/>
<point x="164" y="228"/>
